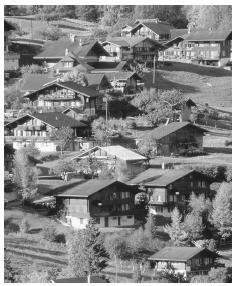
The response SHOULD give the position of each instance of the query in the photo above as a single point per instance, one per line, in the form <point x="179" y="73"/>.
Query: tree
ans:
<point x="193" y="226"/>
<point x="76" y="76"/>
<point x="157" y="105"/>
<point x="148" y="148"/>
<point x="10" y="274"/>
<point x="52" y="33"/>
<point x="222" y="210"/>
<point x="110" y="15"/>
<point x="87" y="255"/>
<point x="215" y="17"/>
<point x="31" y="69"/>
<point x="175" y="229"/>
<point x="64" y="135"/>
<point x="25" y="172"/>
<point x="88" y="13"/>
<point x="63" y="167"/>
<point x="215" y="275"/>
<point x="90" y="167"/>
<point x="13" y="97"/>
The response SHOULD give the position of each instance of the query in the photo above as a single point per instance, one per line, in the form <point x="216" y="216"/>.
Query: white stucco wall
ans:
<point x="42" y="146"/>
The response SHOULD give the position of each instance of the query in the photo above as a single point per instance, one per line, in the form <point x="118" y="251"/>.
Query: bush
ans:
<point x="228" y="142"/>
<point x="24" y="226"/>
<point x="49" y="232"/>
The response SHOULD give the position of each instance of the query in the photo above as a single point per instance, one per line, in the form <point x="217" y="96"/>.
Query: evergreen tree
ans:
<point x="222" y="210"/>
<point x="87" y="255"/>
<point x="176" y="229"/>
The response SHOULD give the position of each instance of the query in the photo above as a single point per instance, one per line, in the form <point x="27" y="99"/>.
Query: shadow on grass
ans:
<point x="37" y="257"/>
<point x="197" y="69"/>
<point x="33" y="248"/>
<point x="165" y="84"/>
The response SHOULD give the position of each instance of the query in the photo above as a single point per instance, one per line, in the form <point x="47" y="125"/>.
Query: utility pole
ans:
<point x="106" y="115"/>
<point x="154" y="70"/>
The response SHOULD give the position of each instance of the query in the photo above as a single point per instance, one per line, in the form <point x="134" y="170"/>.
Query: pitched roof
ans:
<point x="86" y="91"/>
<point x="84" y="189"/>
<point x="36" y="81"/>
<point x="56" y="49"/>
<point x="117" y="151"/>
<point x="54" y="119"/>
<point x="158" y="28"/>
<point x="129" y="41"/>
<point x="93" y="279"/>
<point x="123" y="153"/>
<point x="160" y="177"/>
<point x="208" y="35"/>
<point x="108" y="66"/>
<point x="165" y="130"/>
<point x="179" y="253"/>
<point x="94" y="79"/>
<point x="122" y="75"/>
<point x="174" y="33"/>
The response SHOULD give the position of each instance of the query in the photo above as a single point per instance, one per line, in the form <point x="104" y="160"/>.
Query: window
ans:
<point x="199" y="183"/>
<point x="114" y="217"/>
<point x="129" y="216"/>
<point x="81" y="221"/>
<point x="191" y="184"/>
<point x="175" y="198"/>
<point x="97" y="220"/>
<point x="159" y="209"/>
<point x="206" y="260"/>
<point x="203" y="184"/>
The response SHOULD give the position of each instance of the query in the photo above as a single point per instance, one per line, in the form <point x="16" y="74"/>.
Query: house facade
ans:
<point x="172" y="188"/>
<point x="140" y="49"/>
<point x="154" y="29"/>
<point x="38" y="129"/>
<point x="188" y="261"/>
<point x="178" y="138"/>
<point x="110" y="202"/>
<point x="58" y="95"/>
<point x="209" y="47"/>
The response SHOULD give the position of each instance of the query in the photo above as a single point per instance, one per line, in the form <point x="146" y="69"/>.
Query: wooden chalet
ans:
<point x="111" y="203"/>
<point x="69" y="52"/>
<point x="140" y="49"/>
<point x="209" y="47"/>
<point x="58" y="95"/>
<point x="171" y="188"/>
<point x="178" y="138"/>
<point x="37" y="128"/>
<point x="188" y="261"/>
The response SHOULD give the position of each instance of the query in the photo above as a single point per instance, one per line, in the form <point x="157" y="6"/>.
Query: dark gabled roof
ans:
<point x="159" y="177"/>
<point x="174" y="33"/>
<point x="83" y="190"/>
<point x="94" y="79"/>
<point x="93" y="279"/>
<point x="56" y="49"/>
<point x="86" y="91"/>
<point x="158" y="28"/>
<point x="208" y="36"/>
<point x="122" y="75"/>
<point x="36" y="81"/>
<point x="165" y="130"/>
<point x="130" y="41"/>
<point x="54" y="119"/>
<point x="182" y="254"/>
<point x="8" y="26"/>
<point x="186" y="101"/>
<point x="108" y="66"/>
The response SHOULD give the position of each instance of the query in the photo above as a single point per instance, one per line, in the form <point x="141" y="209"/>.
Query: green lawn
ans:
<point x="203" y="84"/>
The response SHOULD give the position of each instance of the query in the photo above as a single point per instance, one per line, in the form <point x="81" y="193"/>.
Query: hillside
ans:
<point x="203" y="84"/>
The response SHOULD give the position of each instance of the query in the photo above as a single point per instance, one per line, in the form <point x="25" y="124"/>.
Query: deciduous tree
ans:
<point x="64" y="135"/>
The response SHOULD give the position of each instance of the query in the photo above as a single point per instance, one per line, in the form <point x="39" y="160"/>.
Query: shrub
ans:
<point x="228" y="142"/>
<point x="24" y="226"/>
<point x="49" y="232"/>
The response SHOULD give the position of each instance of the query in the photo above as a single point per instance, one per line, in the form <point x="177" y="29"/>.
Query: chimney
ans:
<point x="163" y="166"/>
<point x="72" y="37"/>
<point x="80" y="42"/>
<point x="66" y="52"/>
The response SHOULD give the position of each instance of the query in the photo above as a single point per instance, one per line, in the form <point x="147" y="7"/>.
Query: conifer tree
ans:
<point x="87" y="254"/>
<point x="175" y="229"/>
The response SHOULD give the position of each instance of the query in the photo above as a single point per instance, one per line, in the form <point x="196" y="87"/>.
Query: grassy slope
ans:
<point x="201" y="83"/>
